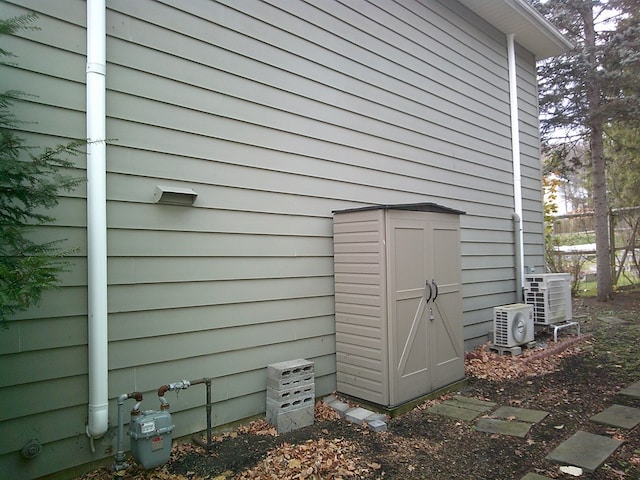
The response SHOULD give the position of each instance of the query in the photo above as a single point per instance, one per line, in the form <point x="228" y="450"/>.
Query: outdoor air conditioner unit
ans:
<point x="513" y="325"/>
<point x="550" y="296"/>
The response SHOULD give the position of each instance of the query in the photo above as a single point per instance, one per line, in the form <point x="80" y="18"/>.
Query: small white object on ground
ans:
<point x="575" y="471"/>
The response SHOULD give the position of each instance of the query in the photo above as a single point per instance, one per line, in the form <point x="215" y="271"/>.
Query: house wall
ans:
<point x="275" y="113"/>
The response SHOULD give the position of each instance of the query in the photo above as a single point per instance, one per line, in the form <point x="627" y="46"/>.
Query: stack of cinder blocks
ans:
<point x="290" y="394"/>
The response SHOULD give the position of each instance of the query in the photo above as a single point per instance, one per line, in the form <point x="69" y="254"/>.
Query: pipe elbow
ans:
<point x="98" y="423"/>
<point x="163" y="389"/>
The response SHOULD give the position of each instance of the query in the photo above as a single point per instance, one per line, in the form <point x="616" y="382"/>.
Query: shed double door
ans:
<point x="425" y="344"/>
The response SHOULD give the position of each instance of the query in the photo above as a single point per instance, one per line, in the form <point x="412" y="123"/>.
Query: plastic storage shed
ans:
<point x="398" y="302"/>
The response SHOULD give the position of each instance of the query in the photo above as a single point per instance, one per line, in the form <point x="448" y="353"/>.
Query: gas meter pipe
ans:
<point x="183" y="385"/>
<point x="120" y="464"/>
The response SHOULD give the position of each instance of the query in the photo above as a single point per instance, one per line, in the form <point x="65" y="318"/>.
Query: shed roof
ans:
<point x="415" y="207"/>
<point x="530" y="28"/>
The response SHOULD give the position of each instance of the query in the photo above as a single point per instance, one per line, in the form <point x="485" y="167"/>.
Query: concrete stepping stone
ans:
<point x="358" y="415"/>
<point x="453" y="411"/>
<point x="520" y="414"/>
<point x="503" y="427"/>
<point x="512" y="421"/>
<point x="632" y="390"/>
<point x="610" y="320"/>
<point x="462" y="408"/>
<point x="473" y="403"/>
<point x="618" y="416"/>
<point x="584" y="450"/>
<point x="377" y="425"/>
<point x="535" y="476"/>
<point x="375" y="421"/>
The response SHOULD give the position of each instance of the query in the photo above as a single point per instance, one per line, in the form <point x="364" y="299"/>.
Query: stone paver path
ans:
<point x="505" y="420"/>
<point x="585" y="450"/>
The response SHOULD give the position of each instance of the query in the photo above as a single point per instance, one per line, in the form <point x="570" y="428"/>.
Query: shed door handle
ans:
<point x="435" y="286"/>
<point x="430" y="290"/>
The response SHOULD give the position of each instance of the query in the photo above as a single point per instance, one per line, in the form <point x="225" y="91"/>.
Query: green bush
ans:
<point x="31" y="180"/>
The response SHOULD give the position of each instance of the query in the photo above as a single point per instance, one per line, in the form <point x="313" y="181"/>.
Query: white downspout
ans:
<point x="98" y="419"/>
<point x="515" y="149"/>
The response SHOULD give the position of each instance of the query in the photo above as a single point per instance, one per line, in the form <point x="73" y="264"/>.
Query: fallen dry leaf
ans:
<point x="320" y="459"/>
<point x="483" y="363"/>
<point x="324" y="412"/>
<point x="223" y="475"/>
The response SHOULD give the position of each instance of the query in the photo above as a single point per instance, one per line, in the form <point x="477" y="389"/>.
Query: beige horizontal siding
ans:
<point x="44" y="333"/>
<point x="44" y="365"/>
<point x="151" y="270"/>
<point x="140" y="324"/>
<point x="276" y="116"/>
<point x="33" y="398"/>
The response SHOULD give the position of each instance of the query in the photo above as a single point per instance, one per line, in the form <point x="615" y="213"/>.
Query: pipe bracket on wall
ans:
<point x="98" y="68"/>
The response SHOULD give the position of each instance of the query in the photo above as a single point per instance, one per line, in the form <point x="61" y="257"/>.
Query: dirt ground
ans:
<point x="572" y="383"/>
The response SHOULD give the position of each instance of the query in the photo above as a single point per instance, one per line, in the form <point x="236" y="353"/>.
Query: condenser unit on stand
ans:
<point x="513" y="325"/>
<point x="550" y="296"/>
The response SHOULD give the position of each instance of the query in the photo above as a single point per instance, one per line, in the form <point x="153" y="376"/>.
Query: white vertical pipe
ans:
<point x="515" y="149"/>
<point x="97" y="220"/>
<point x="517" y="238"/>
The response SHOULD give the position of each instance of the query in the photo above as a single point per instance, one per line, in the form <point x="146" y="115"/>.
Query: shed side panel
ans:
<point x="360" y="305"/>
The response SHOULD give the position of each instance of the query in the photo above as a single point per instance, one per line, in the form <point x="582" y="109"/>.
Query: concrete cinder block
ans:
<point x="290" y="374"/>
<point x="377" y="425"/>
<point x="275" y="408"/>
<point x="290" y="369"/>
<point x="287" y="421"/>
<point x="358" y="415"/>
<point x="376" y="417"/>
<point x="341" y="407"/>
<point x="282" y="383"/>
<point x="329" y="399"/>
<point x="289" y="394"/>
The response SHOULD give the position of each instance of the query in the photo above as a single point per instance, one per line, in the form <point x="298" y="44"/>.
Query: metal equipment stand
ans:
<point x="563" y="325"/>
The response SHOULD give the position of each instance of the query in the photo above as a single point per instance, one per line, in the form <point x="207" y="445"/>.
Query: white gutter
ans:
<point x="98" y="420"/>
<point x="515" y="149"/>
<point x="535" y="33"/>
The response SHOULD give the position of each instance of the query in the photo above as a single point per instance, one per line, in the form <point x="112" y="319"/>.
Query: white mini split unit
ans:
<point x="550" y="296"/>
<point x="513" y="325"/>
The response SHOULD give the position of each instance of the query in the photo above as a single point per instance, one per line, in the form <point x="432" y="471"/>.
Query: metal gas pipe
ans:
<point x="183" y="385"/>
<point x="120" y="464"/>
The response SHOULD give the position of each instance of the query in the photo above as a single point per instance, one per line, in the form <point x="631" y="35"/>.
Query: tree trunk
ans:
<point x="599" y="185"/>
